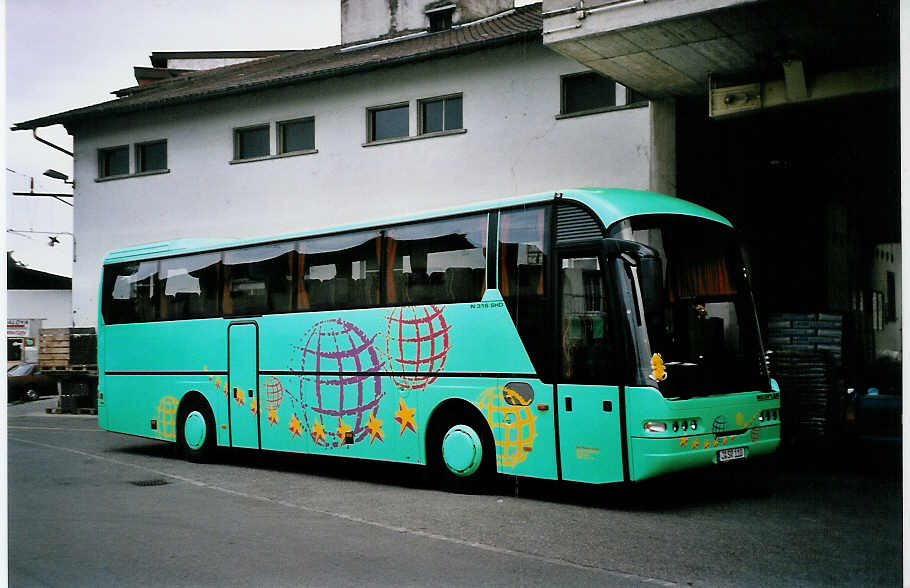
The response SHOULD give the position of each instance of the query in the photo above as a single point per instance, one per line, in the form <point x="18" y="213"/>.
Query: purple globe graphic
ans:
<point x="417" y="341"/>
<point x="341" y="393"/>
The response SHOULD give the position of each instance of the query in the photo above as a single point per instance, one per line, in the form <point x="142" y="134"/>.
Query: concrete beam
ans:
<point x="777" y="93"/>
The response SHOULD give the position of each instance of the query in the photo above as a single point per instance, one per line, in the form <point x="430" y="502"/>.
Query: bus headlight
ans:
<point x="655" y="427"/>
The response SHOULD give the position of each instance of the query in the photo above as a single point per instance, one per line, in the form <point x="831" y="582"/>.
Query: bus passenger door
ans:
<point x="243" y="383"/>
<point x="590" y="440"/>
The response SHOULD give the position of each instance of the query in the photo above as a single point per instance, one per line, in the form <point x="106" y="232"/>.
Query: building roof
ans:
<point x="609" y="204"/>
<point x="19" y="277"/>
<point x="300" y="66"/>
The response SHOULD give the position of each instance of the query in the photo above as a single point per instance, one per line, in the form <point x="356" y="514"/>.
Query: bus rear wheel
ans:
<point x="461" y="454"/>
<point x="196" y="432"/>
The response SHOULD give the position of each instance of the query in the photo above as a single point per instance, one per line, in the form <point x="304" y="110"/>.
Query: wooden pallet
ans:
<point x="71" y="411"/>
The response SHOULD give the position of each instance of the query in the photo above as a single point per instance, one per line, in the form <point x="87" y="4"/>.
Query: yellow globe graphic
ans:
<point x="167" y="417"/>
<point x="513" y="427"/>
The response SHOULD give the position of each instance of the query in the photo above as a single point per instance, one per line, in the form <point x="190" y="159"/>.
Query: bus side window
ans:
<point x="257" y="280"/>
<point x="340" y="271"/>
<point x="130" y="293"/>
<point x="523" y="253"/>
<point x="189" y="286"/>
<point x="434" y="262"/>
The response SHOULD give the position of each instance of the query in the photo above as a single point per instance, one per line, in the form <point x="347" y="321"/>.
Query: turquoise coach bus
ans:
<point x="593" y="335"/>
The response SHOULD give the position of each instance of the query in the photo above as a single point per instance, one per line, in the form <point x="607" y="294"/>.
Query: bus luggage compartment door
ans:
<point x="590" y="444"/>
<point x="243" y="397"/>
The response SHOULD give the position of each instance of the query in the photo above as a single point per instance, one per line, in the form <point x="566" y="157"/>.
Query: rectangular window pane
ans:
<point x="437" y="262"/>
<point x="113" y="162"/>
<point x="129" y="293"/>
<point x="633" y="96"/>
<point x="341" y="271"/>
<point x="151" y="156"/>
<point x="298" y="136"/>
<point x="252" y="142"/>
<point x="258" y="280"/>
<point x="587" y="92"/>
<point x="453" y="113"/>
<point x="523" y="253"/>
<point x="189" y="286"/>
<point x="432" y="116"/>
<point x="586" y="354"/>
<point x="389" y="123"/>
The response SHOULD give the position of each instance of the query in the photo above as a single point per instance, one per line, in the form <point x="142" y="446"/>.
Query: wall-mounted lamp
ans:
<point x="52" y="173"/>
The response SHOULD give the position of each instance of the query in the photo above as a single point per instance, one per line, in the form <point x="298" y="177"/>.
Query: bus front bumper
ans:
<point x="651" y="456"/>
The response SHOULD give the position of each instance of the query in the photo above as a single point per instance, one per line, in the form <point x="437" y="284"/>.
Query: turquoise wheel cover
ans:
<point x="194" y="430"/>
<point x="462" y="450"/>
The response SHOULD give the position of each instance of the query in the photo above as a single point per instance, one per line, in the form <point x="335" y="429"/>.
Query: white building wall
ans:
<point x="887" y="258"/>
<point x="513" y="145"/>
<point x="54" y="306"/>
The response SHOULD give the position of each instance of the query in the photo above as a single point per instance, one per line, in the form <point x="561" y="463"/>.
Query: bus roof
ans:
<point x="610" y="204"/>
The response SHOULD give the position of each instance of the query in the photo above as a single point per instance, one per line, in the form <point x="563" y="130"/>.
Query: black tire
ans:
<point x="440" y="473"/>
<point x="201" y="447"/>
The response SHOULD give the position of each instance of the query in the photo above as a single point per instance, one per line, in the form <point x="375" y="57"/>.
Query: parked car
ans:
<point x="25" y="382"/>
<point x="874" y="413"/>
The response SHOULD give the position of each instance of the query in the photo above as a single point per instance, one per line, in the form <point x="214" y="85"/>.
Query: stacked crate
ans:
<point x="70" y="349"/>
<point x="806" y="362"/>
<point x="54" y="350"/>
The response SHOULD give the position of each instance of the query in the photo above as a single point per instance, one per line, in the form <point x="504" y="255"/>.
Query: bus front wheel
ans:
<point x="196" y="432"/>
<point x="461" y="453"/>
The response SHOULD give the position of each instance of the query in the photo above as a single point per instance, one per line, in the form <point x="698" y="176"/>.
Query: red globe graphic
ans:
<point x="338" y="361"/>
<point x="273" y="392"/>
<point x="417" y="342"/>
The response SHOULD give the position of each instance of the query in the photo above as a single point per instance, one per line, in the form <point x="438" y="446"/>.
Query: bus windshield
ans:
<point x="700" y="332"/>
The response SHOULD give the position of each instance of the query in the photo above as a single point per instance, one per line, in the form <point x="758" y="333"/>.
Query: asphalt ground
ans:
<point x="92" y="508"/>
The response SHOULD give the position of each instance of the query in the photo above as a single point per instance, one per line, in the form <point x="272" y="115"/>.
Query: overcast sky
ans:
<point x="65" y="54"/>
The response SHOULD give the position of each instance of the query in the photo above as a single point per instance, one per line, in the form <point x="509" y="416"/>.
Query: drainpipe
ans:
<point x="49" y="144"/>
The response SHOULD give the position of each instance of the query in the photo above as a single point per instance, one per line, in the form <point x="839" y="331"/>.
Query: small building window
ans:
<point x="387" y="122"/>
<point x="297" y="135"/>
<point x="440" y="17"/>
<point x="634" y="96"/>
<point x="440" y="114"/>
<point x="114" y="161"/>
<point x="151" y="156"/>
<point x="587" y="91"/>
<point x="251" y="142"/>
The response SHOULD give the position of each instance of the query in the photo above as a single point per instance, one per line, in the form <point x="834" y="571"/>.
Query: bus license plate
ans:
<point x="725" y="455"/>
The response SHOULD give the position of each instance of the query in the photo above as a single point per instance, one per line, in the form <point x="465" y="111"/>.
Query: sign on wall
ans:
<point x="17" y="327"/>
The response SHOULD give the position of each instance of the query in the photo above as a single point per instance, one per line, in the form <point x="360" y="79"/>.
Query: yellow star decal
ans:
<point x="296" y="427"/>
<point x="405" y="416"/>
<point x="716" y="443"/>
<point x="342" y="429"/>
<point x="707" y="444"/>
<point x="218" y="382"/>
<point x="273" y="415"/>
<point x="254" y="406"/>
<point x="240" y="395"/>
<point x="374" y="427"/>
<point x="318" y="432"/>
<point x="683" y="441"/>
<point x="695" y="444"/>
